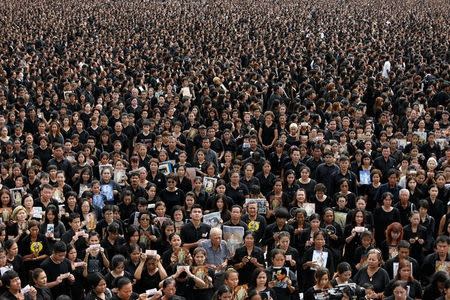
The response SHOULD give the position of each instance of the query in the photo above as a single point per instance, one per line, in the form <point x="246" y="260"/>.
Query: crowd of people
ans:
<point x="227" y="150"/>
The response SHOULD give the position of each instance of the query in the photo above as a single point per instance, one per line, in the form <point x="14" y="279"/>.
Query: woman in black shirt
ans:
<point x="149" y="273"/>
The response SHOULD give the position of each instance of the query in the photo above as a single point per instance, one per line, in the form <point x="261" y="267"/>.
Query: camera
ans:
<point x="351" y="290"/>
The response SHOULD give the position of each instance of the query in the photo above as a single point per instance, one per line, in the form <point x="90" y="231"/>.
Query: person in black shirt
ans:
<point x="385" y="162"/>
<point x="59" y="161"/>
<point x="40" y="284"/>
<point x="271" y="233"/>
<point x="58" y="268"/>
<point x="12" y="282"/>
<point x="195" y="231"/>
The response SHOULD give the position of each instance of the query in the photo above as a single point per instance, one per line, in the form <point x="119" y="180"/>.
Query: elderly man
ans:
<point x="217" y="252"/>
<point x="404" y="206"/>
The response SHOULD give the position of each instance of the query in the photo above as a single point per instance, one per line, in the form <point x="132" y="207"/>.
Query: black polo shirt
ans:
<point x="189" y="234"/>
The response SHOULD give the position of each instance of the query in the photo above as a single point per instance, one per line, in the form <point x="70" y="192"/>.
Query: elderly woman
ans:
<point x="19" y="224"/>
<point x="373" y="273"/>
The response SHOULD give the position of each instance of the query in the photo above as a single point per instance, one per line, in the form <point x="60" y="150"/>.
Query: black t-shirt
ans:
<point x="53" y="270"/>
<point x="189" y="234"/>
<point x="147" y="281"/>
<point x="172" y="198"/>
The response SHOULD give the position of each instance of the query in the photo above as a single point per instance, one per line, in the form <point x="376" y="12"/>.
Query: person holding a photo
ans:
<point x="334" y="232"/>
<point x="255" y="222"/>
<point x="322" y="279"/>
<point x="259" y="282"/>
<point x="33" y="247"/>
<point x="205" y="273"/>
<point x="11" y="281"/>
<point x="52" y="227"/>
<point x="108" y="186"/>
<point x="247" y="258"/>
<point x="282" y="281"/>
<point x="217" y="252"/>
<point x="40" y="284"/>
<point x="314" y="257"/>
<point x="404" y="273"/>
<point x="149" y="273"/>
<point x="58" y="269"/>
<point x="149" y="233"/>
<point x="175" y="255"/>
<point x="77" y="271"/>
<point x="95" y="258"/>
<point x="220" y="204"/>
<point x="352" y="233"/>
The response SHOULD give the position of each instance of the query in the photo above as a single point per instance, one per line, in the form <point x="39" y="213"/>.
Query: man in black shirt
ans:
<point x="60" y="161"/>
<point x="384" y="162"/>
<point x="58" y="267"/>
<point x="235" y="220"/>
<point x="195" y="231"/>
<point x="315" y="160"/>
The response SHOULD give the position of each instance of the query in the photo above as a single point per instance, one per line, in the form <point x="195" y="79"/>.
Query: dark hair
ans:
<point x="8" y="276"/>
<point x="164" y="225"/>
<point x="132" y="229"/>
<point x="281" y="213"/>
<point x="403" y="244"/>
<point x="401" y="283"/>
<point x="94" y="279"/>
<point x="117" y="260"/>
<point x="276" y="251"/>
<point x="59" y="247"/>
<point x="167" y="282"/>
<point x="133" y="248"/>
<point x="122" y="281"/>
<point x="73" y="216"/>
<point x="442" y="239"/>
<point x="196" y="205"/>
<point x="113" y="228"/>
<point x="8" y="244"/>
<point x="424" y="204"/>
<point x="447" y="284"/>
<point x="255" y="275"/>
<point x="54" y="210"/>
<point x="343" y="267"/>
<point x="222" y="290"/>
<point x="36" y="272"/>
<point x="353" y="220"/>
<point x="93" y="233"/>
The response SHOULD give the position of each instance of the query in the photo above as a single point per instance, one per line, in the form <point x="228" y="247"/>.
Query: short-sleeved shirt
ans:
<point x="216" y="256"/>
<point x="189" y="234"/>
<point x="53" y="270"/>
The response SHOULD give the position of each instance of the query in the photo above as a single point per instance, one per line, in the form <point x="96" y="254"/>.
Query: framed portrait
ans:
<point x="17" y="195"/>
<point x="213" y="219"/>
<point x="210" y="184"/>
<point x="261" y="204"/>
